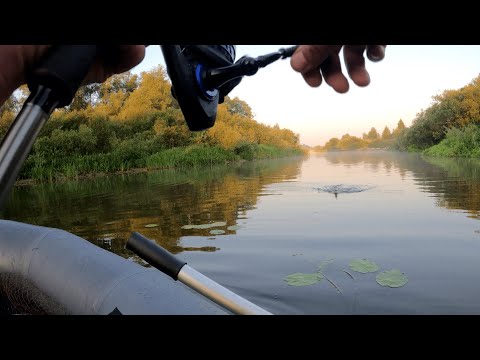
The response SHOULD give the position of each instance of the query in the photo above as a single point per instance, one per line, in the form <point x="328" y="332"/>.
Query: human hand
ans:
<point x="17" y="60"/>
<point x="317" y="62"/>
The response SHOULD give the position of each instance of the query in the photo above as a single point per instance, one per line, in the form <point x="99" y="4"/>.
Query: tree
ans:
<point x="85" y="96"/>
<point x="372" y="134"/>
<point x="386" y="134"/>
<point x="398" y="131"/>
<point x="153" y="93"/>
<point x="348" y="142"/>
<point x="237" y="106"/>
<point x="332" y="145"/>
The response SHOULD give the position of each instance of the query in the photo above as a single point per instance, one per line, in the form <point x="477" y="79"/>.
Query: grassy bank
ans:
<point x="41" y="168"/>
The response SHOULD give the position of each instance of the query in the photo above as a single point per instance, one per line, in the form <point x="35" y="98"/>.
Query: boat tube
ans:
<point x="51" y="271"/>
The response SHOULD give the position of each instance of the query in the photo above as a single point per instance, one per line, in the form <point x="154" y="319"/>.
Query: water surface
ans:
<point x="418" y="216"/>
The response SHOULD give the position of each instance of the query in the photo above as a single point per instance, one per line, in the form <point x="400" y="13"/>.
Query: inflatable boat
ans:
<point x="51" y="271"/>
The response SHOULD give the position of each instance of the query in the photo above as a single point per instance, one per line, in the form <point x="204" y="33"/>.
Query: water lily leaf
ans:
<point x="300" y="279"/>
<point x="151" y="225"/>
<point x="205" y="226"/>
<point x="392" y="278"/>
<point x="217" y="232"/>
<point x="363" y="266"/>
<point x="233" y="227"/>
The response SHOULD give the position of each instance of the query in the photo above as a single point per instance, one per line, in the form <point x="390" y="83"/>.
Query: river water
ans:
<point x="287" y="216"/>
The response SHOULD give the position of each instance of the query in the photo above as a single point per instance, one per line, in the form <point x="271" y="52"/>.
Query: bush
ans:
<point x="245" y="150"/>
<point x="458" y="143"/>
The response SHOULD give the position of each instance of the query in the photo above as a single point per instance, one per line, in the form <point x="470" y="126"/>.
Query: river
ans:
<point x="413" y="214"/>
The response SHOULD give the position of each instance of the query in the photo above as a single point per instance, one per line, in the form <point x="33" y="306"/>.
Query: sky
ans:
<point x="401" y="85"/>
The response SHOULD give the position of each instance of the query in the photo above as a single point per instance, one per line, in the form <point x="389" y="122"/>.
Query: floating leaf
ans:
<point x="392" y="278"/>
<point x="300" y="279"/>
<point x="204" y="226"/>
<point x="363" y="266"/>
<point x="151" y="225"/>
<point x="217" y="232"/>
<point x="233" y="227"/>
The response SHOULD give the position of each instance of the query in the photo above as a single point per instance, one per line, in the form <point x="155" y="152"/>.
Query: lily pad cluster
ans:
<point x="393" y="278"/>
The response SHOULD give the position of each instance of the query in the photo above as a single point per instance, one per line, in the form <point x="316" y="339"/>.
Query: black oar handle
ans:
<point x="155" y="255"/>
<point x="63" y="70"/>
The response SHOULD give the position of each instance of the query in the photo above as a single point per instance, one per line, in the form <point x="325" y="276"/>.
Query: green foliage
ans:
<point x="245" y="150"/>
<point x="65" y="143"/>
<point x="463" y="142"/>
<point x="453" y="109"/>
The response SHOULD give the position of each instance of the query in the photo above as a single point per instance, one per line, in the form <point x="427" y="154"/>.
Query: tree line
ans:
<point x="449" y="127"/>
<point x="126" y="121"/>
<point x="372" y="140"/>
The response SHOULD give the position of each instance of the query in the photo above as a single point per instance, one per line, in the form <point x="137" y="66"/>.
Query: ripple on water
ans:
<point x="344" y="189"/>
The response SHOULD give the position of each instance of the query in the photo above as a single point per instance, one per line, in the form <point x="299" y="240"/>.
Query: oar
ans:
<point x="166" y="262"/>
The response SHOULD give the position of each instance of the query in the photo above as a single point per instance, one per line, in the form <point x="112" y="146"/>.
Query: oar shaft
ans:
<point x="218" y="294"/>
<point x="170" y="265"/>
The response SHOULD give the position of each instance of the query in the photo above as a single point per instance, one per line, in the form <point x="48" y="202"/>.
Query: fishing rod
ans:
<point x="201" y="75"/>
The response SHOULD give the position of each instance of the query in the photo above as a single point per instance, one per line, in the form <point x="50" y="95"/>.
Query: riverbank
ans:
<point x="38" y="169"/>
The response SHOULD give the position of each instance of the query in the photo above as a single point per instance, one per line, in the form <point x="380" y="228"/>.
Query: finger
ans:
<point x="313" y="77"/>
<point x="332" y="73"/>
<point x="309" y="57"/>
<point x="355" y="63"/>
<point x="376" y="52"/>
<point x="115" y="60"/>
<point x="129" y="56"/>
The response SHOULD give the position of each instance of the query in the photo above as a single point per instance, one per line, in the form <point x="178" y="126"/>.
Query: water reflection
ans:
<point x="106" y="210"/>
<point x="455" y="183"/>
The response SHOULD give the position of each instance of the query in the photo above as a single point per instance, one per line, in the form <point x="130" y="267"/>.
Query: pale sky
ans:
<point x="401" y="85"/>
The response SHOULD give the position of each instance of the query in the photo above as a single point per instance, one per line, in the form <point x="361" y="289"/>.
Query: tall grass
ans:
<point x="139" y="155"/>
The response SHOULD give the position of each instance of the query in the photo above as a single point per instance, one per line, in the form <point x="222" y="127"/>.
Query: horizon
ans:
<point x="402" y="85"/>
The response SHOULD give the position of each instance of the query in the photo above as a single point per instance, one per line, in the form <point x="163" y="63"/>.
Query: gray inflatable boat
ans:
<point x="50" y="271"/>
